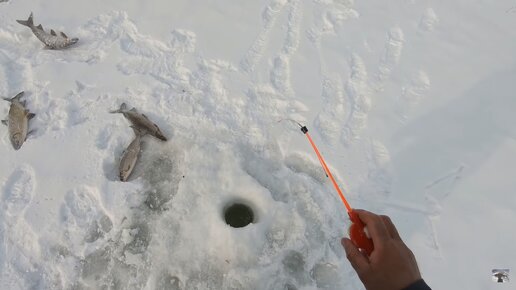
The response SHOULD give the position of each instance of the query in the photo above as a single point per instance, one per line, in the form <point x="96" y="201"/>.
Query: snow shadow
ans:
<point x="446" y="145"/>
<point x="465" y="130"/>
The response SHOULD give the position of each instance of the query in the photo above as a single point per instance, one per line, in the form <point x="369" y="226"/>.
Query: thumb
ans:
<point x="358" y="261"/>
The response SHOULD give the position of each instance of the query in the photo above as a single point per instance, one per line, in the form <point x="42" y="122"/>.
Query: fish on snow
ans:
<point x="140" y="121"/>
<point x="130" y="155"/>
<point x="18" y="121"/>
<point x="51" y="40"/>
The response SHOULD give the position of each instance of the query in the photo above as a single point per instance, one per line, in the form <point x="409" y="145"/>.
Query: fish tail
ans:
<point x="29" y="22"/>
<point x="15" y="98"/>
<point x="123" y="107"/>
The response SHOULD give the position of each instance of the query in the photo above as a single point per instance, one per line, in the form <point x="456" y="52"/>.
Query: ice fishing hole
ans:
<point x="238" y="215"/>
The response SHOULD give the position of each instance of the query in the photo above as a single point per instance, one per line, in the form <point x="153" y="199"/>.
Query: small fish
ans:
<point x="51" y="40"/>
<point x="140" y="121"/>
<point x="18" y="121"/>
<point x="130" y="155"/>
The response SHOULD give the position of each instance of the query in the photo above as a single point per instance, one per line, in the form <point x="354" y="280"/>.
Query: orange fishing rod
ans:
<point x="326" y="169"/>
<point x="356" y="229"/>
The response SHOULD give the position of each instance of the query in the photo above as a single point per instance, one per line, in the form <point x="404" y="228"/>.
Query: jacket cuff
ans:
<point x="418" y="285"/>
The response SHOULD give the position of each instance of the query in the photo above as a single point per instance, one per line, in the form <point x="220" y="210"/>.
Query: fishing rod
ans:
<point x="356" y="229"/>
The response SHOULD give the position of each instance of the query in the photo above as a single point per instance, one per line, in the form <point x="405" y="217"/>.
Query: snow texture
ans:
<point x="411" y="102"/>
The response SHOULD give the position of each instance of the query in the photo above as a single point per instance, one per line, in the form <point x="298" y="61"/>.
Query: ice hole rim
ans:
<point x="239" y="214"/>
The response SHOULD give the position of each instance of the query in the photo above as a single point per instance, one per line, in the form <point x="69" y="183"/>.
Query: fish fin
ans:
<point x="145" y="117"/>
<point x="133" y="110"/>
<point x="18" y="96"/>
<point x="63" y="35"/>
<point x="39" y="27"/>
<point x="5" y="122"/>
<point x="137" y="131"/>
<point x="30" y="115"/>
<point x="53" y="32"/>
<point x="29" y="22"/>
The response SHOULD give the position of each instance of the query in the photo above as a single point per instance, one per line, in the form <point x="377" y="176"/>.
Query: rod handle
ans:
<point x="357" y="234"/>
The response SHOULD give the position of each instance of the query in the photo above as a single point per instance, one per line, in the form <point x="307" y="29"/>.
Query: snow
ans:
<point x="411" y="102"/>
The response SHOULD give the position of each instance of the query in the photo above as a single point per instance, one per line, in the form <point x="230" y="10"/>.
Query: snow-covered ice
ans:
<point x="411" y="102"/>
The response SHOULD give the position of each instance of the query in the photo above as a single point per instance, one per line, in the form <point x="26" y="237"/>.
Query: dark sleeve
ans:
<point x="418" y="285"/>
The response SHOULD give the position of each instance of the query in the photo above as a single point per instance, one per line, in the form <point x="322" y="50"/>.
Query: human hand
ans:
<point x="391" y="265"/>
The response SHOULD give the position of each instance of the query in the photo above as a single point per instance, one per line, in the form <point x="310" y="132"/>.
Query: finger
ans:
<point x="358" y="260"/>
<point x="375" y="226"/>
<point x="390" y="227"/>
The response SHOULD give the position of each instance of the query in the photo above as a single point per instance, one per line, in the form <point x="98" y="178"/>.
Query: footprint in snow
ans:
<point x="300" y="163"/>
<point x="82" y="211"/>
<point x="429" y="20"/>
<point x="104" y="138"/>
<point x="18" y="191"/>
<point x="326" y="276"/>
<point x="391" y="55"/>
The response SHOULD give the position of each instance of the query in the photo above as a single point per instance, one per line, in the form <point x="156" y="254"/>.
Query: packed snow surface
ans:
<point x="411" y="102"/>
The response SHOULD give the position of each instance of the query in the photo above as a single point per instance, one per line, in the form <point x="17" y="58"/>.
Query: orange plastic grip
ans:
<point x="357" y="234"/>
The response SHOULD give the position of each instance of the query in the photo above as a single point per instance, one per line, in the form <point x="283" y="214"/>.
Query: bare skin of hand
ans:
<point x="391" y="265"/>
